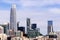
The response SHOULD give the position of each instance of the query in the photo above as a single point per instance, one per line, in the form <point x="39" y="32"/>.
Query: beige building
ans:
<point x="19" y="38"/>
<point x="3" y="37"/>
<point x="25" y="38"/>
<point x="16" y="38"/>
<point x="58" y="35"/>
<point x="39" y="38"/>
<point x="1" y="29"/>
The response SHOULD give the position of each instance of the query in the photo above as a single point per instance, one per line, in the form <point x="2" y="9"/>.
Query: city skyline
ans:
<point x="39" y="13"/>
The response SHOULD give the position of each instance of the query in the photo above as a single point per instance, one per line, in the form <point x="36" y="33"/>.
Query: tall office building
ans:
<point x="50" y="26"/>
<point x="13" y="23"/>
<point x="28" y="25"/>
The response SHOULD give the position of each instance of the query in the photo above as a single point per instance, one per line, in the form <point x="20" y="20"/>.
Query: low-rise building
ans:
<point x="3" y="37"/>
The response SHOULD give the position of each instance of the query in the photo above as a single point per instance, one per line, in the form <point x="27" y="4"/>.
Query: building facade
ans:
<point x="50" y="27"/>
<point x="33" y="26"/>
<point x="28" y="25"/>
<point x="13" y="23"/>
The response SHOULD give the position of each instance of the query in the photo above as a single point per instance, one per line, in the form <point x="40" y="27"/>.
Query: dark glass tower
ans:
<point x="13" y="23"/>
<point x="50" y="26"/>
<point x="22" y="29"/>
<point x="33" y="26"/>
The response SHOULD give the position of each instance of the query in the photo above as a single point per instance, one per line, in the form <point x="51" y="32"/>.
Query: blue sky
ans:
<point x="40" y="11"/>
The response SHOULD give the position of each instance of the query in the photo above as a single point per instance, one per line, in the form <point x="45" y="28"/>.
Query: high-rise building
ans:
<point x="13" y="23"/>
<point x="50" y="26"/>
<point x="28" y="25"/>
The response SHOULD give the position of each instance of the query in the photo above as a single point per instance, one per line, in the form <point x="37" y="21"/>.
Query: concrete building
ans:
<point x="19" y="34"/>
<point x="11" y="33"/>
<point x="1" y="30"/>
<point x="58" y="35"/>
<point x="5" y="27"/>
<point x="3" y="37"/>
<point x="25" y="38"/>
<point x="16" y="38"/>
<point x="52" y="36"/>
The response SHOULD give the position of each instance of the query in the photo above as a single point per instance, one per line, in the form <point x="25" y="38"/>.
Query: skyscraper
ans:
<point x="28" y="25"/>
<point x="28" y="22"/>
<point x="50" y="26"/>
<point x="13" y="23"/>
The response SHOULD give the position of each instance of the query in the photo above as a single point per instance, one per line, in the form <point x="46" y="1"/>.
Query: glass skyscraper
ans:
<point x="50" y="23"/>
<point x="28" y="22"/>
<point x="33" y="26"/>
<point x="28" y="25"/>
<point x="50" y="26"/>
<point x="13" y="23"/>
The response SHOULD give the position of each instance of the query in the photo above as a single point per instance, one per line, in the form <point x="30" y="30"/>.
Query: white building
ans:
<point x="1" y="30"/>
<point x="3" y="37"/>
<point x="13" y="23"/>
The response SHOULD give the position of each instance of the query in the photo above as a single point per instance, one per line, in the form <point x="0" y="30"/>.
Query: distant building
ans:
<point x="3" y="37"/>
<point x="11" y="33"/>
<point x="25" y="35"/>
<point x="17" y="24"/>
<point x="5" y="27"/>
<point x="33" y="33"/>
<point x="38" y="29"/>
<point x="19" y="34"/>
<point x="22" y="29"/>
<point x="8" y="38"/>
<point x="1" y="30"/>
<point x="16" y="38"/>
<point x="28" y="24"/>
<point x="33" y="26"/>
<point x="13" y="23"/>
<point x="50" y="27"/>
<point x="58" y="35"/>
<point x="52" y="36"/>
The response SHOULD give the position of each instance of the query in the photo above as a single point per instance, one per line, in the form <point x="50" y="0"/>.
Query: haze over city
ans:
<point x="40" y="11"/>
